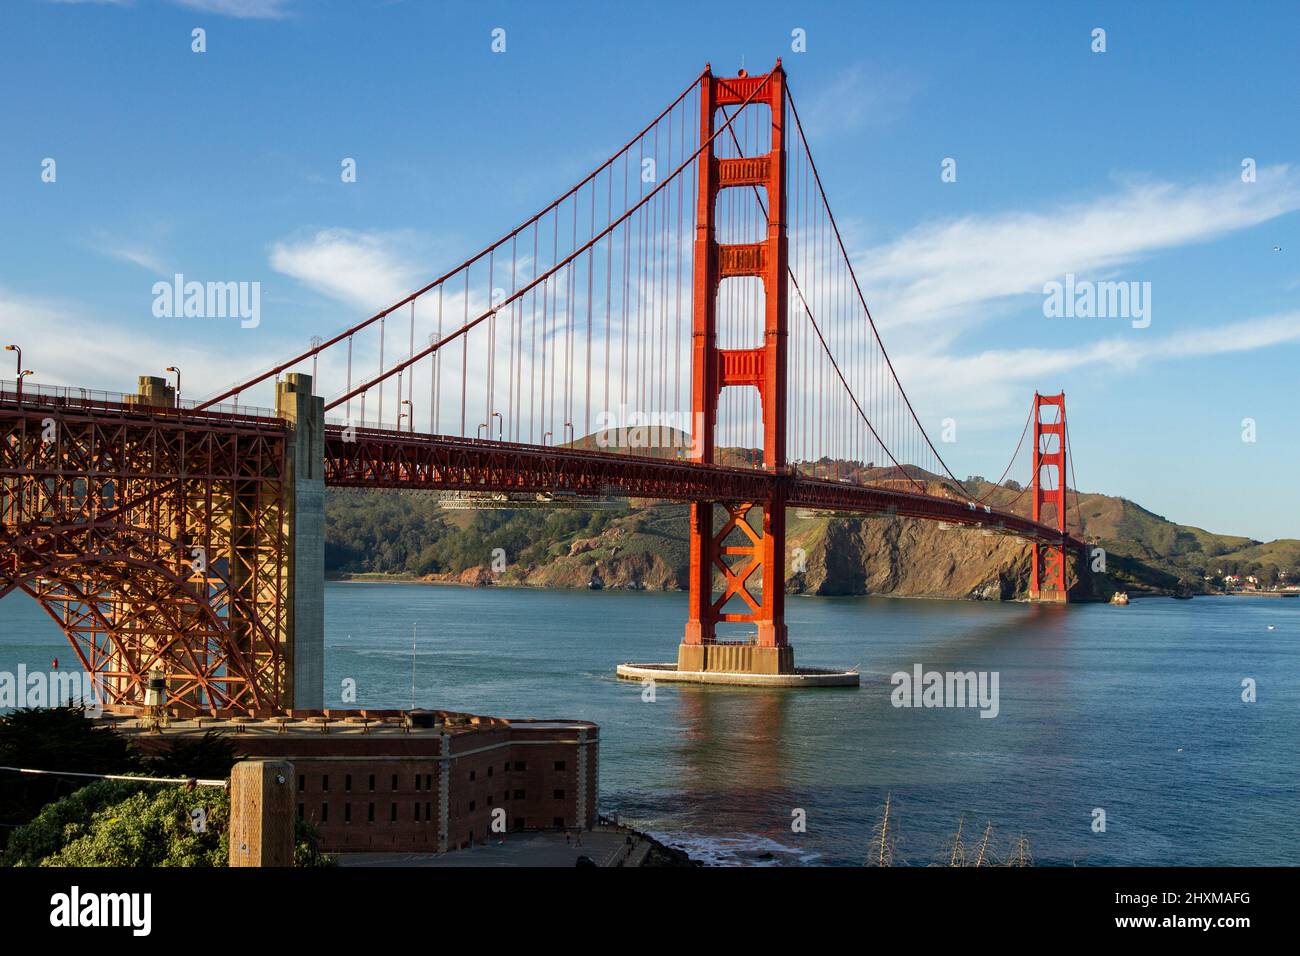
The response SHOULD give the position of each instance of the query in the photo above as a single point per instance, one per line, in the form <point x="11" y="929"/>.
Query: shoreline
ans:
<point x="367" y="577"/>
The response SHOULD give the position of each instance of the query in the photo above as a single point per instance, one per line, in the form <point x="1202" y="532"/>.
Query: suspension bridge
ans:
<point x="683" y="324"/>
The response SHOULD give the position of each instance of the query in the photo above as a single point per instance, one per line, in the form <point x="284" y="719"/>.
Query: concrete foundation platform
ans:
<point x="799" y="677"/>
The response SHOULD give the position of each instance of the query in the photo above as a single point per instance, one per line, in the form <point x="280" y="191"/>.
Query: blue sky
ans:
<point x="1123" y="165"/>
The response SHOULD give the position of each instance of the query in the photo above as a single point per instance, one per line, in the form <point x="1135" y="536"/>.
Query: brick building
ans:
<point x="417" y="781"/>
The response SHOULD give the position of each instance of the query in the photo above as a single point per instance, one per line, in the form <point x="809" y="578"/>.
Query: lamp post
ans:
<point x="409" y="415"/>
<point x="18" y="374"/>
<point x="500" y="424"/>
<point x="173" y="368"/>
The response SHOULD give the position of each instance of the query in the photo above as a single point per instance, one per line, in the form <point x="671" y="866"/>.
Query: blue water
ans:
<point x="1135" y="710"/>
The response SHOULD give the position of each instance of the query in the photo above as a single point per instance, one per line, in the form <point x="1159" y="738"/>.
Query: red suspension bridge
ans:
<point x="683" y="324"/>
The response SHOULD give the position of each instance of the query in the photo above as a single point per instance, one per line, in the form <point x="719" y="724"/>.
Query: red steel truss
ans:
<point x="155" y="539"/>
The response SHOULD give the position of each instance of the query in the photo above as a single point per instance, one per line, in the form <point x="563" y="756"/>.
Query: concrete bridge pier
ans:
<point x="305" y="527"/>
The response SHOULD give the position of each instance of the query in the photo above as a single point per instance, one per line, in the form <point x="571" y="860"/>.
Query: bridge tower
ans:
<point x="763" y="367"/>
<point x="1047" y="573"/>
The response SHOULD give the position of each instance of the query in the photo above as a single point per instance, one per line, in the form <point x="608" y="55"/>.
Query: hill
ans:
<point x="644" y="545"/>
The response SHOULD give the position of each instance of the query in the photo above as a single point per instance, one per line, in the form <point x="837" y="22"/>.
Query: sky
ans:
<point x="1169" y="159"/>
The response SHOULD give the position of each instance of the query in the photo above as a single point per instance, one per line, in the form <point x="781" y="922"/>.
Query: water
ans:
<point x="1135" y="710"/>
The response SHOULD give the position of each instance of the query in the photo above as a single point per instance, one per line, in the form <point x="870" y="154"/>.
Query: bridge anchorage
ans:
<point x="696" y="276"/>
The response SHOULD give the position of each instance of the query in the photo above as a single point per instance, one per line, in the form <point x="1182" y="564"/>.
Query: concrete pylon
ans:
<point x="261" y="813"/>
<point x="305" y="526"/>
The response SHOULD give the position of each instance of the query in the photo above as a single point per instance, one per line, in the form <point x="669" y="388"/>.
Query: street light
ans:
<point x="500" y="424"/>
<point x="410" y="415"/>
<point x="569" y="427"/>
<point x="173" y="368"/>
<point x="18" y="374"/>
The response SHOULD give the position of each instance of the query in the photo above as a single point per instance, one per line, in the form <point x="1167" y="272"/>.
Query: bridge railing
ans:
<point x="74" y="396"/>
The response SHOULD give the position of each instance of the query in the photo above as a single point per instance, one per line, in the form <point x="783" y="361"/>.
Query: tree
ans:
<point x="209" y="757"/>
<point x="56" y="739"/>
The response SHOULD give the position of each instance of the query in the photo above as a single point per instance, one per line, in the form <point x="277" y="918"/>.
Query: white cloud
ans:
<point x="856" y="97"/>
<point x="66" y="345"/>
<point x="248" y="9"/>
<point x="365" y="270"/>
<point x="243" y="9"/>
<point x="986" y="384"/>
<point x="124" y="251"/>
<point x="946" y="272"/>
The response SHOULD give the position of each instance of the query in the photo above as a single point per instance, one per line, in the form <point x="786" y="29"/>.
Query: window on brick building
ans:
<point x="372" y="783"/>
<point x="557" y="822"/>
<point x="428" y="781"/>
<point x="417" y="781"/>
<point x="559" y="765"/>
<point x="394" y="781"/>
<point x="324" y="813"/>
<point x="302" y="811"/>
<point x="489" y="799"/>
<point x="417" y="812"/>
<point x="347" y="813"/>
<point x="370" y="814"/>
<point x="302" y="782"/>
<point x="519" y="794"/>
<point x="347" y="783"/>
<point x="471" y="806"/>
<point x="393" y="815"/>
<point x="558" y="794"/>
<point x="520" y="765"/>
<point x="471" y="774"/>
<point x="325" y="782"/>
<point x="428" y="811"/>
<point x="489" y="770"/>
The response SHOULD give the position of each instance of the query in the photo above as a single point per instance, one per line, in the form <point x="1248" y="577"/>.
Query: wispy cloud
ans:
<point x="949" y="271"/>
<point x="247" y="9"/>
<point x="126" y="251"/>
<point x="244" y="9"/>
<point x="75" y="347"/>
<point x="993" y="381"/>
<point x="365" y="270"/>
<point x="856" y="97"/>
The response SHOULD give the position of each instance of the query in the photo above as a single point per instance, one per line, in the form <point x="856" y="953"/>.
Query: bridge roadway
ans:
<point x="384" y="458"/>
<point x="387" y="458"/>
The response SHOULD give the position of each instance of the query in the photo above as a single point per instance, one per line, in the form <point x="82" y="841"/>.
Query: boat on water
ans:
<point x="1119" y="597"/>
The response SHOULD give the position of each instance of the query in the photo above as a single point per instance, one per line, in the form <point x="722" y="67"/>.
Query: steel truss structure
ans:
<point x="155" y="538"/>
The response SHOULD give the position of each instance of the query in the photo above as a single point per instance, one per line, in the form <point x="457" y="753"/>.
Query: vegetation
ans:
<point x="408" y="534"/>
<point x="53" y="738"/>
<point x="78" y="821"/>
<point x="121" y="823"/>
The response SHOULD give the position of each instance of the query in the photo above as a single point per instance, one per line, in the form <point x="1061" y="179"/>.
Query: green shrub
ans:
<point x="125" y="823"/>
